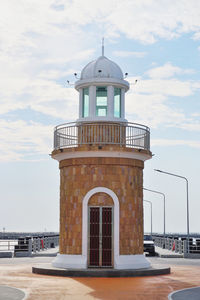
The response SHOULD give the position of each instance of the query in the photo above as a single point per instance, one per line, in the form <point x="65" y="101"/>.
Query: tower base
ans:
<point x="92" y="272"/>
<point x="122" y="262"/>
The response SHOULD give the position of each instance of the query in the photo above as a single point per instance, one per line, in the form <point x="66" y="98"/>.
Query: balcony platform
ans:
<point x="126" y="134"/>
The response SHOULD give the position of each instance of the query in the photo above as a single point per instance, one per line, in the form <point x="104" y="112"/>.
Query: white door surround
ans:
<point x="85" y="220"/>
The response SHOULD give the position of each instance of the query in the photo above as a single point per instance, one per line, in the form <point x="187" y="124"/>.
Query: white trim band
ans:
<point x="119" y="154"/>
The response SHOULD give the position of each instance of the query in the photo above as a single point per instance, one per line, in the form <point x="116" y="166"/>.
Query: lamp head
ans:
<point x="158" y="170"/>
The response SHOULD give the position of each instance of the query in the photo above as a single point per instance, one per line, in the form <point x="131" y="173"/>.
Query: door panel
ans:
<point x="106" y="236"/>
<point x="94" y="236"/>
<point x="100" y="239"/>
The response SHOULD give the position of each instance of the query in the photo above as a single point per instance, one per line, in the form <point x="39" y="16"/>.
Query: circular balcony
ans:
<point x="130" y="135"/>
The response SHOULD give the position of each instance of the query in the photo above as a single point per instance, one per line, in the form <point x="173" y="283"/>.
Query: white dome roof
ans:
<point x="102" y="67"/>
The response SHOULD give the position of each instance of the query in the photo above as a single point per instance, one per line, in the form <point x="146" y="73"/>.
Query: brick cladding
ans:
<point x="124" y="177"/>
<point x="100" y="199"/>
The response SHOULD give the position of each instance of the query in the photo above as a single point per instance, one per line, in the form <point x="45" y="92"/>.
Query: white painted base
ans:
<point x="122" y="262"/>
<point x="132" y="262"/>
<point x="67" y="261"/>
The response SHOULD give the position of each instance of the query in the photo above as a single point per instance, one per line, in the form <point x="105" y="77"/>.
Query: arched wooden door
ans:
<point x="100" y="239"/>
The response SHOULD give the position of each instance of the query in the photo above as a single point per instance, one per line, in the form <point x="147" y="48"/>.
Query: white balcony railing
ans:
<point x="124" y="134"/>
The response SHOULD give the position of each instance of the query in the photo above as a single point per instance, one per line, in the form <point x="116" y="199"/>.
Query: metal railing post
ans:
<point x="30" y="247"/>
<point x="185" y="246"/>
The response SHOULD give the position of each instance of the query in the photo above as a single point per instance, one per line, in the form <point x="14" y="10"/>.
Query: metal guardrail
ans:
<point x="131" y="135"/>
<point x="7" y="245"/>
<point x="25" y="246"/>
<point x="9" y="235"/>
<point x="35" y="244"/>
<point x="179" y="245"/>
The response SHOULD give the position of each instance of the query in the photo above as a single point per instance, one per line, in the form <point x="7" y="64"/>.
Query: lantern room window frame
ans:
<point x="117" y="102"/>
<point x="101" y="101"/>
<point x="85" y="102"/>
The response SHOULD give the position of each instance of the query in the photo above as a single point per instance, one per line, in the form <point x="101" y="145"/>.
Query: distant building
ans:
<point x="101" y="159"/>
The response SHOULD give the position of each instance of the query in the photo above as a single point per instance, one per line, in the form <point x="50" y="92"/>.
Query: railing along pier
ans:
<point x="179" y="245"/>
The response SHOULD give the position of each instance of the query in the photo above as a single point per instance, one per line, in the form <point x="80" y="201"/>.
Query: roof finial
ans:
<point x="103" y="46"/>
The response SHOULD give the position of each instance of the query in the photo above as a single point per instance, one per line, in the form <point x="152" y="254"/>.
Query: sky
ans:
<point x="43" y="43"/>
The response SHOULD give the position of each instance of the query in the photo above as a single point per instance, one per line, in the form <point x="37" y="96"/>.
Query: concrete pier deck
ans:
<point x="17" y="273"/>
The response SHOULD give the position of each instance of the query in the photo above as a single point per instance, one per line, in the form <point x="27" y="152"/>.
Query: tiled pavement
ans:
<point x="17" y="272"/>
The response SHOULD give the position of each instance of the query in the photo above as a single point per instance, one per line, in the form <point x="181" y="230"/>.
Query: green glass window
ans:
<point x="85" y="107"/>
<point x="101" y="101"/>
<point x="117" y="102"/>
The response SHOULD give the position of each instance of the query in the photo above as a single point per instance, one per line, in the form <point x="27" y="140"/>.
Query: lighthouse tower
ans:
<point x="101" y="159"/>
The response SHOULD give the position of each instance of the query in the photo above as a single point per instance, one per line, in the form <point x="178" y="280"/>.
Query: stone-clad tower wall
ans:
<point x="123" y="177"/>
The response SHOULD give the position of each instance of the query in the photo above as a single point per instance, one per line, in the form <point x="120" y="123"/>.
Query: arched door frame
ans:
<point x="85" y="220"/>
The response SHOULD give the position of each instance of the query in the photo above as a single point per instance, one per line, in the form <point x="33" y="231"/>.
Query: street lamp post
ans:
<point x="163" y="203"/>
<point x="188" y="230"/>
<point x="151" y="214"/>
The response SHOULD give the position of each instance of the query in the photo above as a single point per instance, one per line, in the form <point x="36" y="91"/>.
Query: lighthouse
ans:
<point x="101" y="160"/>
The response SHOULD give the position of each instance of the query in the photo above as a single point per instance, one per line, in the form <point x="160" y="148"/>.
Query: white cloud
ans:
<point x="196" y="36"/>
<point x="41" y="95"/>
<point x="39" y="45"/>
<point x="190" y="126"/>
<point x="54" y="74"/>
<point x="129" y="53"/>
<point x="167" y="71"/>
<point x="147" y="102"/>
<point x="25" y="25"/>
<point x="149" y="20"/>
<point x="151" y="110"/>
<point x="44" y="41"/>
<point x="167" y="87"/>
<point x="71" y="57"/>
<point x="173" y="143"/>
<point x="196" y="114"/>
<point x="21" y="140"/>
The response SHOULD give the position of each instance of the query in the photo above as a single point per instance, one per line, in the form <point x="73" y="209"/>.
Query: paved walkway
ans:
<point x="17" y="272"/>
<point x="48" y="252"/>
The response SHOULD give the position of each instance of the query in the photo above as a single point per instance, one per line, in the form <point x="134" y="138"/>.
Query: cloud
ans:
<point x="45" y="96"/>
<point x="44" y="42"/>
<point x="173" y="143"/>
<point x="148" y="102"/>
<point x="22" y="140"/>
<point x="48" y="27"/>
<point x="190" y="125"/>
<point x="54" y="74"/>
<point x="151" y="110"/>
<point x="129" y="53"/>
<point x="167" y="87"/>
<point x="196" y="36"/>
<point x="147" y="21"/>
<point x="196" y="114"/>
<point x="167" y="71"/>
